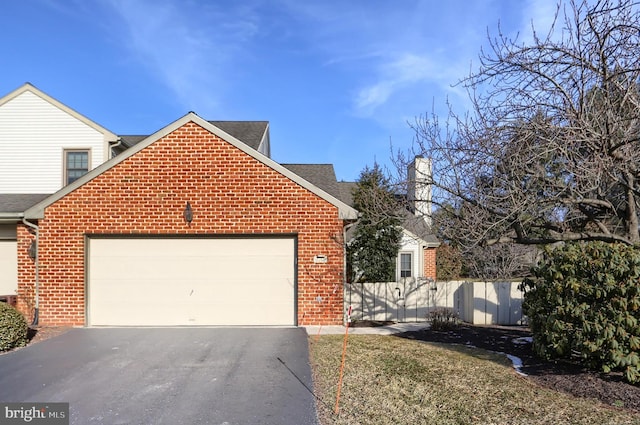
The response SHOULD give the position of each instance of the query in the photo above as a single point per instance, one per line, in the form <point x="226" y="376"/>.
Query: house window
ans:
<point x="76" y="165"/>
<point x="405" y="265"/>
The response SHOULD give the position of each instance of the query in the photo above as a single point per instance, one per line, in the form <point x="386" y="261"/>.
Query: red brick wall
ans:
<point x="26" y="273"/>
<point x="430" y="263"/>
<point x="230" y="193"/>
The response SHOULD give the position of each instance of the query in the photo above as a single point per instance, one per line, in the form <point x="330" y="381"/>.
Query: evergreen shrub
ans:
<point x="13" y="328"/>
<point x="583" y="303"/>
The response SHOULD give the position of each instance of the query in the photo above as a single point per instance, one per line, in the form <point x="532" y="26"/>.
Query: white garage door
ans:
<point x="167" y="282"/>
<point x="8" y="267"/>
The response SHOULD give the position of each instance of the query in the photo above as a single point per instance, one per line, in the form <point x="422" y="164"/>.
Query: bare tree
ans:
<point x="501" y="261"/>
<point x="551" y="148"/>
<point x="498" y="261"/>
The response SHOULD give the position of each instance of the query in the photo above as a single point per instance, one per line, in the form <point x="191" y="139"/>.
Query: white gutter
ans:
<point x="115" y="145"/>
<point x="11" y="217"/>
<point x="37" y="265"/>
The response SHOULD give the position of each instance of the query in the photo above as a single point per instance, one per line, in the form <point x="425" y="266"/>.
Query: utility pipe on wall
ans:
<point x="37" y="289"/>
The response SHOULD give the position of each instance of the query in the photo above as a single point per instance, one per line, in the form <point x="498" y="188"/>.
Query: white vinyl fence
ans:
<point x="410" y="300"/>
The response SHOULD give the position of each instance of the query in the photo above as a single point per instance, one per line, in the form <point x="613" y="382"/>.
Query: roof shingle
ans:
<point x="250" y="133"/>
<point x="320" y="175"/>
<point x="19" y="202"/>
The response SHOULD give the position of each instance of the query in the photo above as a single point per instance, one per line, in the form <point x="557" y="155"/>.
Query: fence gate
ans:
<point x="410" y="300"/>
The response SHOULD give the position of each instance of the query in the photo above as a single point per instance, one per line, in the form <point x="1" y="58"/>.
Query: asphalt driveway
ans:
<point x="167" y="376"/>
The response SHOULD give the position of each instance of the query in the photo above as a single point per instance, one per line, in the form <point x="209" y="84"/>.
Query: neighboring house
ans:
<point x="192" y="225"/>
<point x="415" y="291"/>
<point x="43" y="146"/>
<point x="417" y="255"/>
<point x="418" y="236"/>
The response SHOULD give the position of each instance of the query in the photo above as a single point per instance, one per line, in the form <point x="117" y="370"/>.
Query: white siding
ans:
<point x="410" y="244"/>
<point x="33" y="135"/>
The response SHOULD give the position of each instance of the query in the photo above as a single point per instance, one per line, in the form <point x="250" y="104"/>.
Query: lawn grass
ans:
<point x="390" y="380"/>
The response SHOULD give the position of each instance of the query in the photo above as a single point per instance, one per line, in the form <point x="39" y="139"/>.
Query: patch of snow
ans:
<point x="523" y="340"/>
<point x="515" y="361"/>
<point x="517" y="364"/>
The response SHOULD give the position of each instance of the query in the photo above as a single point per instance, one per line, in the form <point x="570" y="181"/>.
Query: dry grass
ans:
<point x="389" y="380"/>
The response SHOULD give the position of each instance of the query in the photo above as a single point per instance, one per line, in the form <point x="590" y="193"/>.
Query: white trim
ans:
<point x="199" y="279"/>
<point x="65" y="168"/>
<point x="265" y="139"/>
<point x="10" y="217"/>
<point x="412" y="267"/>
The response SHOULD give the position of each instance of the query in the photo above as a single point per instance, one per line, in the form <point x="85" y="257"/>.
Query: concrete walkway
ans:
<point x="377" y="330"/>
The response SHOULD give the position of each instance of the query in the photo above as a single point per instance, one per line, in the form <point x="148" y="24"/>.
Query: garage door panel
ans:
<point x="245" y="281"/>
<point x="8" y="267"/>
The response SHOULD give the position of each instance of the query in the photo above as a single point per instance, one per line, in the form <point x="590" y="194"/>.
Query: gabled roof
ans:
<point x="418" y="227"/>
<point x="346" y="212"/>
<point x="252" y="133"/>
<point x="346" y="191"/>
<point x="28" y="87"/>
<point x="321" y="175"/>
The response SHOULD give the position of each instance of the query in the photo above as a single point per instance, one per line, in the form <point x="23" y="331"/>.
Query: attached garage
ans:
<point x="8" y="267"/>
<point x="8" y="260"/>
<point x="200" y="281"/>
<point x="189" y="227"/>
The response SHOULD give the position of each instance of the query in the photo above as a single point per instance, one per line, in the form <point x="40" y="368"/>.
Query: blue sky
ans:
<point x="338" y="80"/>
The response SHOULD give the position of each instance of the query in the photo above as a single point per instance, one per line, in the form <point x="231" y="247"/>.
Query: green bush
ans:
<point x="13" y="328"/>
<point x="583" y="303"/>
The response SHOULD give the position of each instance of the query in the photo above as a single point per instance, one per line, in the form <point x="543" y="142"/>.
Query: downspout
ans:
<point x="115" y="145"/>
<point x="37" y="289"/>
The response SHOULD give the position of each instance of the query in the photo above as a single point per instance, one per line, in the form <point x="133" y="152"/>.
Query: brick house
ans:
<point x="188" y="226"/>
